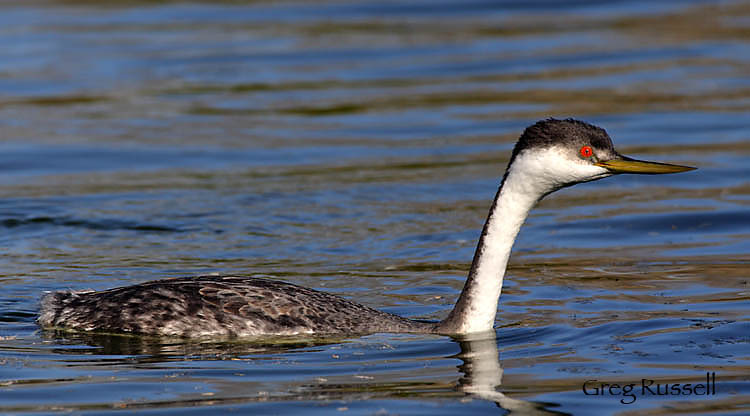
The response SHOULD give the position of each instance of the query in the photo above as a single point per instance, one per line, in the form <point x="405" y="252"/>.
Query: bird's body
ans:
<point x="219" y="306"/>
<point x="550" y="155"/>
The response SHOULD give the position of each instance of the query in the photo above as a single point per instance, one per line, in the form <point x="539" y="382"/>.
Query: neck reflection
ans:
<point x="483" y="375"/>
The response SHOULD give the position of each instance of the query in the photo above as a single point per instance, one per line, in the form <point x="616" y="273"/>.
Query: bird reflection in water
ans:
<point x="480" y="369"/>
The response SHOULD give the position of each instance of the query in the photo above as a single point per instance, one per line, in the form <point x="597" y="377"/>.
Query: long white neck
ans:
<point x="477" y="305"/>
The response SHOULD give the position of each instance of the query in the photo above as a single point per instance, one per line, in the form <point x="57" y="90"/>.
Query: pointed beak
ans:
<point x="624" y="164"/>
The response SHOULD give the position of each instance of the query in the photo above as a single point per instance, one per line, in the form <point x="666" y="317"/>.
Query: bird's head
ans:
<point x="552" y="154"/>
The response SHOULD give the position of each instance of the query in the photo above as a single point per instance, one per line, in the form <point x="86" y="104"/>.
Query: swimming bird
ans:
<point x="550" y="155"/>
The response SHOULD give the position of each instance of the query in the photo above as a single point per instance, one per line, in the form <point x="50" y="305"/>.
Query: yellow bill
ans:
<point x="625" y="164"/>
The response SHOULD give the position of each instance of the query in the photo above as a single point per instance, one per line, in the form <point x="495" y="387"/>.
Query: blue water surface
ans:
<point x="354" y="147"/>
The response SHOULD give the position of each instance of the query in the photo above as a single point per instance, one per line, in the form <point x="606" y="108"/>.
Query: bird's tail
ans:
<point x="52" y="307"/>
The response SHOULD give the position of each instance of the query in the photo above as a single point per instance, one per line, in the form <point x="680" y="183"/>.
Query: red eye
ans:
<point x="587" y="152"/>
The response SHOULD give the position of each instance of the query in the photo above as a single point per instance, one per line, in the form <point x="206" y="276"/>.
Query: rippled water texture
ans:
<point x="354" y="147"/>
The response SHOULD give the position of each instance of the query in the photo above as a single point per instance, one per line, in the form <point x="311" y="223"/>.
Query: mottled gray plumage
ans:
<point x="217" y="306"/>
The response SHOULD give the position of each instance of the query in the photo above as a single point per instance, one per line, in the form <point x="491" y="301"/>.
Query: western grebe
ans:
<point x="549" y="155"/>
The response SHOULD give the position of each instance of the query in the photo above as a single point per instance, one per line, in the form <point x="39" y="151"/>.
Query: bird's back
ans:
<point x="217" y="306"/>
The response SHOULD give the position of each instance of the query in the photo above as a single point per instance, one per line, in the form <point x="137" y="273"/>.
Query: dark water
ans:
<point x="354" y="147"/>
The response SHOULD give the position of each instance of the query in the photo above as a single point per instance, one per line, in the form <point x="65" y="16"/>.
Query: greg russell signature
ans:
<point x="648" y="387"/>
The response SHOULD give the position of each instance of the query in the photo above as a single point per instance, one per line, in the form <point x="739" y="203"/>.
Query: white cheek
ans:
<point x="576" y="171"/>
<point x="545" y="170"/>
